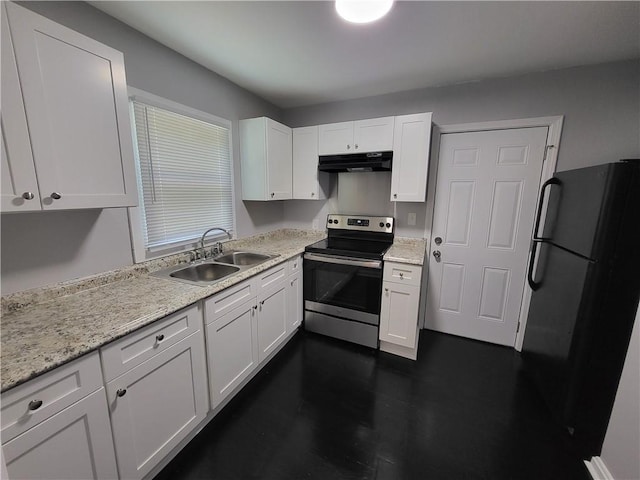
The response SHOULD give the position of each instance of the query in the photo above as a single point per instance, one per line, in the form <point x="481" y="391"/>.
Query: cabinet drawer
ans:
<point x="272" y="276"/>
<point x="53" y="391"/>
<point x="295" y="265"/>
<point x="221" y="303"/>
<point x="122" y="355"/>
<point x="402" y="273"/>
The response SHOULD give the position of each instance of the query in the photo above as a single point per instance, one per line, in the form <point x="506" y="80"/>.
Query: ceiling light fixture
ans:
<point x="363" y="11"/>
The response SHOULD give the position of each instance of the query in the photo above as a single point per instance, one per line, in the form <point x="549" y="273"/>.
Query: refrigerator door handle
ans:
<point x="532" y="261"/>
<point x="548" y="183"/>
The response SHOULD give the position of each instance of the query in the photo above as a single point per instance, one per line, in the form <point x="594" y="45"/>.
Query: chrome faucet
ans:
<point x="218" y="245"/>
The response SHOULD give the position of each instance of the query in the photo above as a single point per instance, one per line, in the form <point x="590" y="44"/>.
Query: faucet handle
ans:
<point x="219" y="247"/>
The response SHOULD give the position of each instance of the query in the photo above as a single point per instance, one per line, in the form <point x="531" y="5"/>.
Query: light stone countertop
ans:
<point x="44" y="328"/>
<point x="407" y="250"/>
<point x="48" y="327"/>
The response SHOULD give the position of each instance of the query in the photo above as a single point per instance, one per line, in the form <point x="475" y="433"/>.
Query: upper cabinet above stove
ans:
<point x="280" y="163"/>
<point x="371" y="135"/>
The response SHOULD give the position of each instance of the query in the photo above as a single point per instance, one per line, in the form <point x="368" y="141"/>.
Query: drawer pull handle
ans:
<point x="56" y="196"/>
<point x="28" y="195"/>
<point x="159" y="338"/>
<point x="401" y="275"/>
<point x="35" y="404"/>
<point x="121" y="392"/>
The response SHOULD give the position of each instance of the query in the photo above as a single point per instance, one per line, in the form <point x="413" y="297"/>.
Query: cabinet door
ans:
<point x="279" y="160"/>
<point x="399" y="314"/>
<point x="335" y="138"/>
<point x="232" y="350"/>
<point x="272" y="319"/>
<point x="75" y="97"/>
<point x="156" y="405"/>
<point x="411" y="144"/>
<point x="75" y="443"/>
<point x="19" y="191"/>
<point x="373" y="135"/>
<point x="306" y="184"/>
<point x="294" y="317"/>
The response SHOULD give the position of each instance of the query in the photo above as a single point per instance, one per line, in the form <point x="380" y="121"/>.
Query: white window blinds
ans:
<point x="185" y="176"/>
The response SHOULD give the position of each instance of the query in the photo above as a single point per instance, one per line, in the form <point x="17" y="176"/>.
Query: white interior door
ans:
<point x="485" y="203"/>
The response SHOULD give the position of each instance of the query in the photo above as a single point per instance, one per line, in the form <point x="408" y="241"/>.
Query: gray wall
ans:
<point x="600" y="104"/>
<point x="622" y="442"/>
<point x="44" y="248"/>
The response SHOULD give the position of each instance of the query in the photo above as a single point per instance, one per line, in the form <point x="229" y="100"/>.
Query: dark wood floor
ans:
<point x="324" y="409"/>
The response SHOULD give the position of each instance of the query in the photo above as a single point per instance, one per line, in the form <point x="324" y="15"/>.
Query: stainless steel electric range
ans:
<point x="343" y="278"/>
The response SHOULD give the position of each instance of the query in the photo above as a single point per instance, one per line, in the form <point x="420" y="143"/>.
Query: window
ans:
<point x="185" y="175"/>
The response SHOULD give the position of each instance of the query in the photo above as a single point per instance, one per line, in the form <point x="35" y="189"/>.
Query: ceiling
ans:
<point x="298" y="53"/>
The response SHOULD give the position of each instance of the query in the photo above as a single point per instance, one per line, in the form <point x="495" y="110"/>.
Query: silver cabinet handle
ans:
<point x="437" y="254"/>
<point x="395" y="195"/>
<point x="386" y="290"/>
<point x="401" y="275"/>
<point x="34" y="405"/>
<point x="292" y="283"/>
<point x="28" y="196"/>
<point x="121" y="392"/>
<point x="356" y="146"/>
<point x="159" y="338"/>
<point x="313" y="194"/>
<point x="56" y="196"/>
<point x="348" y="147"/>
<point x="272" y="194"/>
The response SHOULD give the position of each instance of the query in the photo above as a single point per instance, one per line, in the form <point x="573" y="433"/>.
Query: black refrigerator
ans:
<point x="585" y="275"/>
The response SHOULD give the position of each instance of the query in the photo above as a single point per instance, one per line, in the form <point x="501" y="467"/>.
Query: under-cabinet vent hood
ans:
<point x="356" y="162"/>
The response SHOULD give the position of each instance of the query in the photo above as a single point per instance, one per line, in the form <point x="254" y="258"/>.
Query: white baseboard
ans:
<point x="598" y="470"/>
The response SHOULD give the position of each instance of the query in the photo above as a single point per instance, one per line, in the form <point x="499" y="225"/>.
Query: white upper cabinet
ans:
<point x="371" y="135"/>
<point x="411" y="144"/>
<point x="266" y="159"/>
<point x="75" y="101"/>
<point x="308" y="182"/>
<point x="19" y="186"/>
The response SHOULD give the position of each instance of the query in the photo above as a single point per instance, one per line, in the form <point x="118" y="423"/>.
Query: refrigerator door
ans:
<point x="585" y="208"/>
<point x="558" y="317"/>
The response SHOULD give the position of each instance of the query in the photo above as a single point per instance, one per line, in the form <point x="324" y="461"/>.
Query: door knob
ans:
<point x="56" y="196"/>
<point x="28" y="195"/>
<point x="438" y="240"/>
<point x="437" y="255"/>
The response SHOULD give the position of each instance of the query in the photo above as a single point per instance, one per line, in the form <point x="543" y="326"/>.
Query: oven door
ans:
<point x="343" y="287"/>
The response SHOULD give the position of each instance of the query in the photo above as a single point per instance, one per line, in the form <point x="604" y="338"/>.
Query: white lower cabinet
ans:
<point x="272" y="319"/>
<point x="295" y="301"/>
<point x="232" y="350"/>
<point x="157" y="404"/>
<point x="75" y="443"/>
<point x="399" y="310"/>
<point x="245" y="324"/>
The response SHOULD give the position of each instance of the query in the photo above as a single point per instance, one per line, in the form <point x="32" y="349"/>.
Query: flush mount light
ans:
<point x="363" y="11"/>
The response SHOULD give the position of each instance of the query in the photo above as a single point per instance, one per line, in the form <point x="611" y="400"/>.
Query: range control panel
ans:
<point x="361" y="222"/>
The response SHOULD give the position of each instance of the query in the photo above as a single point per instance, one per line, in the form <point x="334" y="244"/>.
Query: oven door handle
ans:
<point x="377" y="264"/>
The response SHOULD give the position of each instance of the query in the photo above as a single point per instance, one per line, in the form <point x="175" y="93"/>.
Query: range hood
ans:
<point x="356" y="162"/>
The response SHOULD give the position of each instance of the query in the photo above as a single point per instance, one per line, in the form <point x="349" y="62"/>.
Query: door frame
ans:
<point x="549" y="162"/>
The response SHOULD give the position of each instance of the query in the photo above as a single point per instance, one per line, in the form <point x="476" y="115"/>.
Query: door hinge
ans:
<point x="518" y="328"/>
<point x="546" y="151"/>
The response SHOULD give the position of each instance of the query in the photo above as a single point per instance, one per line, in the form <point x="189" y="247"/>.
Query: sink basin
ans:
<point x="242" y="258"/>
<point x="204" y="272"/>
<point x="213" y="270"/>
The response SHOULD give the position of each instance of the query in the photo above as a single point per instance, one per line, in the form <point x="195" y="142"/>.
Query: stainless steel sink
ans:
<point x="204" y="272"/>
<point x="242" y="258"/>
<point x="213" y="270"/>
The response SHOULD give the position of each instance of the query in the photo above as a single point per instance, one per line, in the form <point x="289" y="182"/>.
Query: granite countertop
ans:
<point x="407" y="250"/>
<point x="48" y="327"/>
<point x="44" y="328"/>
